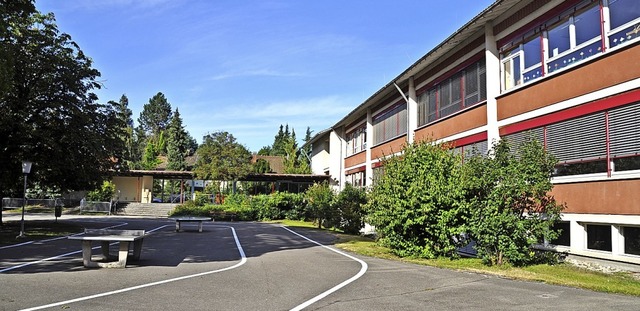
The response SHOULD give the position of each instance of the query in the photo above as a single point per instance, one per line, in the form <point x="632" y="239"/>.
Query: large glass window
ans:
<point x="571" y="37"/>
<point x="582" y="145"/>
<point x="559" y="39"/>
<point x="532" y="52"/>
<point x="480" y="148"/>
<point x="390" y="124"/>
<point x="599" y="237"/>
<point x="465" y="88"/>
<point x="624" y="137"/>
<point x="511" y="72"/>
<point x="357" y="140"/>
<point x="356" y="179"/>
<point x="631" y="240"/>
<point x="565" y="234"/>
<point x="623" y="12"/>
<point x="587" y="25"/>
<point x="625" y="21"/>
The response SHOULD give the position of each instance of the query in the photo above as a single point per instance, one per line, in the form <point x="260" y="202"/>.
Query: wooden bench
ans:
<point x="106" y="236"/>
<point x="199" y="220"/>
<point x="223" y="215"/>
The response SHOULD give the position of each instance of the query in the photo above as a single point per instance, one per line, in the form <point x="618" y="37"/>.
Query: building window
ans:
<point x="357" y="140"/>
<point x="599" y="237"/>
<point x="624" y="137"/>
<point x="624" y="15"/>
<point x="582" y="145"/>
<point x="356" y="179"/>
<point x="480" y="148"/>
<point x="377" y="172"/>
<point x="579" y="144"/>
<point x="576" y="39"/>
<point x="631" y="240"/>
<point x="464" y="89"/>
<point x="390" y="124"/>
<point x="570" y="38"/>
<point x="564" y="238"/>
<point x="559" y="39"/>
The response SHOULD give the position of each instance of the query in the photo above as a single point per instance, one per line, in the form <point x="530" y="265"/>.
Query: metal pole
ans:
<point x="24" y="203"/>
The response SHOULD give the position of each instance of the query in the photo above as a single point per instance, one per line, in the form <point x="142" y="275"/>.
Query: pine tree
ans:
<point x="177" y="144"/>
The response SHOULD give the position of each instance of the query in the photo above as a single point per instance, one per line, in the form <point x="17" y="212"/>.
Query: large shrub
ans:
<point x="349" y="204"/>
<point x="417" y="205"/>
<point x="278" y="205"/>
<point x="511" y="209"/>
<point x="320" y="199"/>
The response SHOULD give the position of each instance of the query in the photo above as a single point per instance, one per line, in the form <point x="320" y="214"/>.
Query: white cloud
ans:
<point x="256" y="124"/>
<point x="255" y="73"/>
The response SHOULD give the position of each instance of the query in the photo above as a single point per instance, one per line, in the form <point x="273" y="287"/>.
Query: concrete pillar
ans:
<point x="369" y="168"/>
<point x="412" y="112"/>
<point x="492" y="58"/>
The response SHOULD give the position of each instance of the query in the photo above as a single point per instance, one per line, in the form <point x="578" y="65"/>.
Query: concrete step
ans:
<point x="145" y="209"/>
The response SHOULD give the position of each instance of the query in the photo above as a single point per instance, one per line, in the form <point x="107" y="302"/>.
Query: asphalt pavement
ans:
<point x="256" y="266"/>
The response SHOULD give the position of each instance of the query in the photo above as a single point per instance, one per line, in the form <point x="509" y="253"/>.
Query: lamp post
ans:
<point x="26" y="169"/>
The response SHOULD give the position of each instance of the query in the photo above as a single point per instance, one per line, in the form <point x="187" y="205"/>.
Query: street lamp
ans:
<point x="26" y="169"/>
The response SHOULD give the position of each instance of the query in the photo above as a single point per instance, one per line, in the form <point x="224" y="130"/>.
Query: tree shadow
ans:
<point x="164" y="247"/>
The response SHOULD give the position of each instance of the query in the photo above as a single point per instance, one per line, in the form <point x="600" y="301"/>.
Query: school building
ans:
<point x="566" y="71"/>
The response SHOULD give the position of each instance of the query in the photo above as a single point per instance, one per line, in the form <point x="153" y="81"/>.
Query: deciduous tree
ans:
<point x="511" y="208"/>
<point x="221" y="157"/>
<point x="49" y="113"/>
<point x="418" y="206"/>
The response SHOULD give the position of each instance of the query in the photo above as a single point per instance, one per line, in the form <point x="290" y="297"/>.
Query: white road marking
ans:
<point x="58" y="256"/>
<point x="315" y="299"/>
<point x="242" y="262"/>
<point x="54" y="239"/>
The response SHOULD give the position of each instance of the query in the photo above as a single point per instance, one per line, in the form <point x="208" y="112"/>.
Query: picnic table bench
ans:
<point x="199" y="220"/>
<point x="223" y="215"/>
<point x="106" y="236"/>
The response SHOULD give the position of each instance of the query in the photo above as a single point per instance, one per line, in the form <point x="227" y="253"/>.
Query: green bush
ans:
<point x="349" y="204"/>
<point x="418" y="205"/>
<point x="511" y="208"/>
<point x="278" y="205"/>
<point x="202" y="199"/>
<point x="103" y="194"/>
<point x="190" y="208"/>
<point x="320" y="199"/>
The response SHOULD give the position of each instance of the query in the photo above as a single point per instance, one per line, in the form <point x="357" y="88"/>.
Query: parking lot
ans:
<point x="257" y="266"/>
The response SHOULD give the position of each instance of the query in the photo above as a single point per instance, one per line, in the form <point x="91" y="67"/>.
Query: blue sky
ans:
<point x="246" y="67"/>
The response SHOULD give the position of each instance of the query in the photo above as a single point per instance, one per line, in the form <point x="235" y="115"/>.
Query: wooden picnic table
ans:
<point x="106" y="236"/>
<point x="199" y="220"/>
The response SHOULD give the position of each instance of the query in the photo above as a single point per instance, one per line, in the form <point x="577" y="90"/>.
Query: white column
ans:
<point x="412" y="112"/>
<point x="336" y="169"/>
<point x="369" y="168"/>
<point x="493" y="84"/>
<point x="606" y="26"/>
<point x="617" y="241"/>
<point x="578" y="235"/>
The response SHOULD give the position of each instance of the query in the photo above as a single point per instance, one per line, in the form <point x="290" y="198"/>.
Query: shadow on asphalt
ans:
<point x="164" y="247"/>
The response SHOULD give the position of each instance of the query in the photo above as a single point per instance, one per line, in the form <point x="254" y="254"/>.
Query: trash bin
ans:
<point x="58" y="211"/>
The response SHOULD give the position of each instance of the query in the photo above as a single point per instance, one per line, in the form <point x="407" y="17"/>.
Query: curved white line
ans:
<point x="315" y="299"/>
<point x="242" y="262"/>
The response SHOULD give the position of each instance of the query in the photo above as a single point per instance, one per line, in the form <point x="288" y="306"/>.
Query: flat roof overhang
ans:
<point x="158" y="174"/>
<point x="251" y="177"/>
<point x="287" y="178"/>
